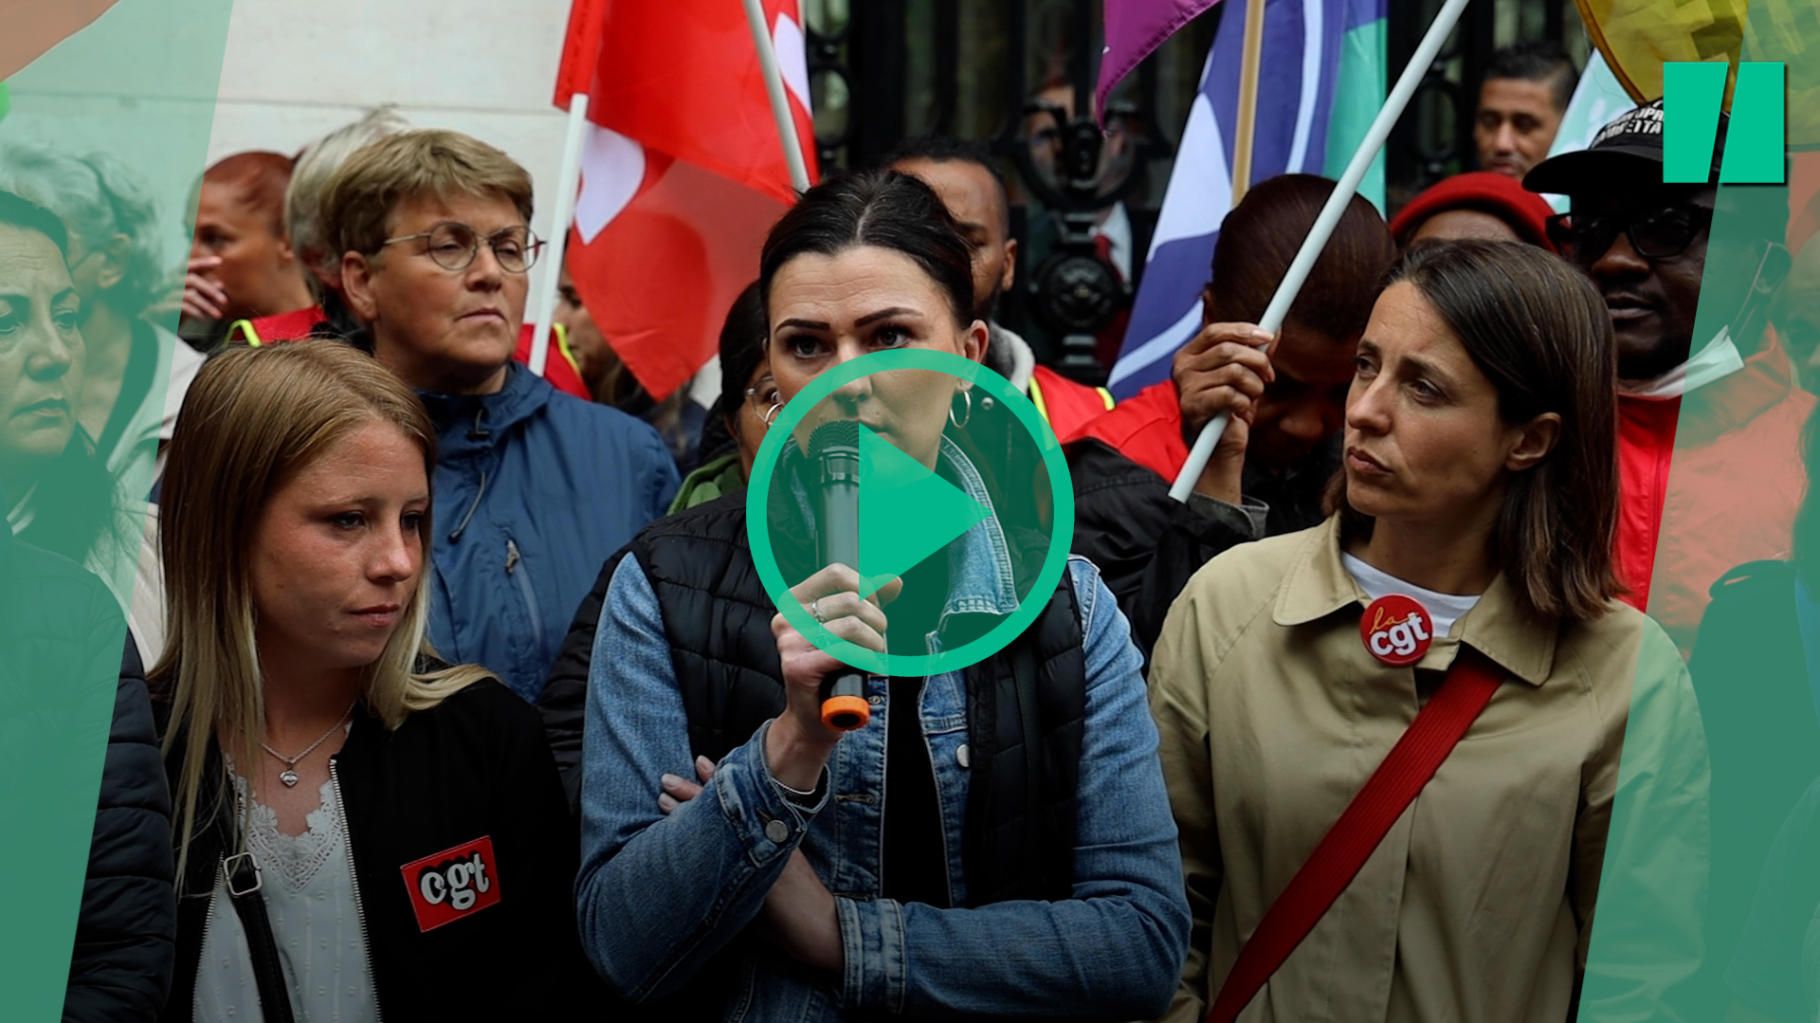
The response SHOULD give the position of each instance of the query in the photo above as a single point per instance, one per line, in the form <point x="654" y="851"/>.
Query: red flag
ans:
<point x="682" y="172"/>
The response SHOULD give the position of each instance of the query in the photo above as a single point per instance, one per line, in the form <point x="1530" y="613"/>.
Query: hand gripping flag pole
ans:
<point x="1324" y="224"/>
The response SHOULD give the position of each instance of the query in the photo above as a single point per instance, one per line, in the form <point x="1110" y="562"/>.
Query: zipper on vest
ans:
<point x="360" y="908"/>
<point x="525" y="590"/>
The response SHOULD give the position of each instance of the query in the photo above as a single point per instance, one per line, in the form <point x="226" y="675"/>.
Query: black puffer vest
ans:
<point x="1025" y="714"/>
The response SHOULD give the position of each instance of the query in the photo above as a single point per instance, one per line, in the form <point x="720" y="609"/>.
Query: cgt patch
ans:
<point x="1397" y="630"/>
<point x="453" y="884"/>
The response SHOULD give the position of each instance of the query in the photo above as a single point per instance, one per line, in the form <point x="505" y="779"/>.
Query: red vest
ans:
<point x="559" y="365"/>
<point x="1146" y="428"/>
<point x="1066" y="405"/>
<point x="1708" y="481"/>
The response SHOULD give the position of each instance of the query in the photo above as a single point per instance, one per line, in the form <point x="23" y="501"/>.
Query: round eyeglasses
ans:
<point x="453" y="246"/>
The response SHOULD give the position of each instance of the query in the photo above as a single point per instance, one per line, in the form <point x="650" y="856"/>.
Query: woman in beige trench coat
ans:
<point x="1480" y="480"/>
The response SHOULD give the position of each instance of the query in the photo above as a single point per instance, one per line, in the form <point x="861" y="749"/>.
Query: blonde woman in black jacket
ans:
<point x="360" y="831"/>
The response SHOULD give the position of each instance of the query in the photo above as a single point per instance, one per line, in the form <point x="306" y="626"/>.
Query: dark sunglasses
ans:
<point x="1664" y="234"/>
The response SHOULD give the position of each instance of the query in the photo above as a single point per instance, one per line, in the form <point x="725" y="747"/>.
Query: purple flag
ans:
<point x="1134" y="29"/>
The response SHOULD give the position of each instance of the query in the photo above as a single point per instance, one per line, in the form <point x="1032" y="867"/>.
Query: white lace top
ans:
<point x="309" y="897"/>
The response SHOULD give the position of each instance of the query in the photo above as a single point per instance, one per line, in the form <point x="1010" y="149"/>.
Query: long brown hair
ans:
<point x="1540" y="333"/>
<point x="252" y="419"/>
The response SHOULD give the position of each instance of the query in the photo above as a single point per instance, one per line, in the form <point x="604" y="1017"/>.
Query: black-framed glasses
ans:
<point x="453" y="246"/>
<point x="1664" y="234"/>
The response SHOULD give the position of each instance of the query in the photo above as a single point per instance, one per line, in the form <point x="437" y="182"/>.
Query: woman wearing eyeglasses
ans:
<point x="533" y="489"/>
<point x="749" y="402"/>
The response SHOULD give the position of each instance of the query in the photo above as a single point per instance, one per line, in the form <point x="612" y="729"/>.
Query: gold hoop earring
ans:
<point x="961" y="423"/>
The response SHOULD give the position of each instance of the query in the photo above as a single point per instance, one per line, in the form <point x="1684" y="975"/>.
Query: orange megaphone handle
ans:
<point x="846" y="713"/>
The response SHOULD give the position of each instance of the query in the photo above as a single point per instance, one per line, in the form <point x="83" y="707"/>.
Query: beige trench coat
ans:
<point x="1478" y="904"/>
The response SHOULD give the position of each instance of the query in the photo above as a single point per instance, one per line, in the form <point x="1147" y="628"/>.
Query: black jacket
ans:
<point x="121" y="969"/>
<point x="62" y="633"/>
<point x="1750" y="673"/>
<point x="474" y="767"/>
<point x="1148" y="545"/>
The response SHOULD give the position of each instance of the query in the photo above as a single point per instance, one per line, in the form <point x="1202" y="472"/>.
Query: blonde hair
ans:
<point x="251" y="420"/>
<point x="358" y="202"/>
<point x="316" y="166"/>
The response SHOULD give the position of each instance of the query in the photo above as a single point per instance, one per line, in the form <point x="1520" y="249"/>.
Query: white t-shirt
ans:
<point x="1444" y="608"/>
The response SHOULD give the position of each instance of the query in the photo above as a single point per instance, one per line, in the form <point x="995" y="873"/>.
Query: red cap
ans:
<point x="1501" y="196"/>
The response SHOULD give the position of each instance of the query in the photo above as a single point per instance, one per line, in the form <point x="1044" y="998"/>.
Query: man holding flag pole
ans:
<point x="1316" y="58"/>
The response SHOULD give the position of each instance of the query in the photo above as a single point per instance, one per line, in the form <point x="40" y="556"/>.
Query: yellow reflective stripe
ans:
<point x="1106" y="396"/>
<point x="1036" y="398"/>
<point x="247" y="333"/>
<point x="562" y="345"/>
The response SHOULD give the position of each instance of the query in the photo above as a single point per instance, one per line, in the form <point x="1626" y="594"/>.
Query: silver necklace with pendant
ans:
<point x="289" y="774"/>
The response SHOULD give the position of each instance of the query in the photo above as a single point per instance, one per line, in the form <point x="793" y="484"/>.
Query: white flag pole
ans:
<point x="774" y="91"/>
<point x="568" y="181"/>
<point x="1327" y="221"/>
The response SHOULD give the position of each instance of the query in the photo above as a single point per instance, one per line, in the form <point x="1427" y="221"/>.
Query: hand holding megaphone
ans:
<point x="831" y="596"/>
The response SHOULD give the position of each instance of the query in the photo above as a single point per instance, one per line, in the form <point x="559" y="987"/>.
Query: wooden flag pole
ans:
<point x="1249" y="69"/>
<point x="774" y="91"/>
<point x="1348" y="186"/>
<point x="568" y="181"/>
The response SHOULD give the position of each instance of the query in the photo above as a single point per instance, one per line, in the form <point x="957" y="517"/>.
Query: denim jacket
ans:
<point x="659" y="895"/>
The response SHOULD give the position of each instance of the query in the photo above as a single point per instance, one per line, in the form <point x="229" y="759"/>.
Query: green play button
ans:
<point x="980" y="537"/>
<point x="906" y="512"/>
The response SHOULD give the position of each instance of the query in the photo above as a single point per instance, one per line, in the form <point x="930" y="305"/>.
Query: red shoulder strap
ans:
<point x="1367" y="819"/>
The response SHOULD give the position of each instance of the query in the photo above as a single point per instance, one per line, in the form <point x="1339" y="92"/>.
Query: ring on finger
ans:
<point x="815" y="610"/>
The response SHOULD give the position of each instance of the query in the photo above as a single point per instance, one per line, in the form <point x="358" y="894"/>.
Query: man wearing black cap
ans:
<point x="1735" y="440"/>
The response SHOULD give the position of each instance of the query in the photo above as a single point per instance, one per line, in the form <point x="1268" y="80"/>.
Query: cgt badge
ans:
<point x="1397" y="630"/>
<point x="453" y="884"/>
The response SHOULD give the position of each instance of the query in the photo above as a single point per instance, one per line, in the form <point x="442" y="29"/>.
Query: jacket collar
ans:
<point x="1762" y="381"/>
<point x="982" y="580"/>
<point x="1016" y="353"/>
<point x="1317" y="585"/>
<point x="466" y="423"/>
<point x="1716" y="360"/>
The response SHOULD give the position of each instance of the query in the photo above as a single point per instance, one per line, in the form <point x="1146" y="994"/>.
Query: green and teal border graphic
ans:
<point x="1723" y="842"/>
<point x="137" y="85"/>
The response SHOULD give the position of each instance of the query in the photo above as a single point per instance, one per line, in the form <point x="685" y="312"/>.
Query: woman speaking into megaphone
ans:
<point x="989" y="841"/>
